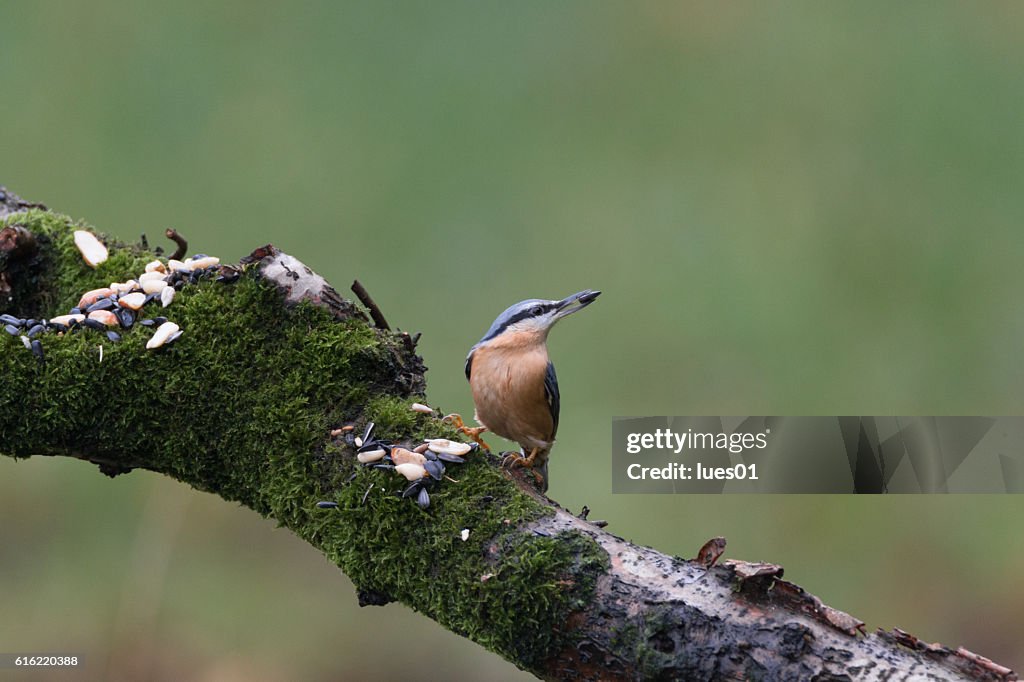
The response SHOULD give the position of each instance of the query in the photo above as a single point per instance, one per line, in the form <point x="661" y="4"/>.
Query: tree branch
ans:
<point x="251" y="404"/>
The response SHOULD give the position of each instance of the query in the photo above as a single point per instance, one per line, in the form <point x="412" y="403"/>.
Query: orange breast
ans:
<point x="508" y="392"/>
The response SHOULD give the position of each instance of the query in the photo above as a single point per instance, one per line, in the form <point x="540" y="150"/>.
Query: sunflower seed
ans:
<point x="448" y="447"/>
<point x="411" y="471"/>
<point x="434" y="468"/>
<point x="154" y="286"/>
<point x="67" y="320"/>
<point x="104" y="317"/>
<point x="132" y="301"/>
<point x="198" y="263"/>
<point x="370" y="456"/>
<point x="91" y="248"/>
<point x="444" y="457"/>
<point x="90" y="297"/>
<point x="402" y="456"/>
<point x="102" y="304"/>
<point x="37" y="350"/>
<point x="161" y="335"/>
<point x="122" y="288"/>
<point x="126" y="317"/>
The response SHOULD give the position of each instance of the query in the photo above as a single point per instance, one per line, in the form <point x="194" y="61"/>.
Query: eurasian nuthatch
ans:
<point x="515" y="389"/>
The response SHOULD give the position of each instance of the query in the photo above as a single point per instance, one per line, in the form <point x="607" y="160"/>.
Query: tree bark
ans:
<point x="261" y="401"/>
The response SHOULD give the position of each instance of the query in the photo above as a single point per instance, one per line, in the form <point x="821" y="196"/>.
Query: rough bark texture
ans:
<point x="252" y="404"/>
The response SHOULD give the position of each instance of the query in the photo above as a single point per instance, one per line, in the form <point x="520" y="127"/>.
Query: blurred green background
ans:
<point x="800" y="208"/>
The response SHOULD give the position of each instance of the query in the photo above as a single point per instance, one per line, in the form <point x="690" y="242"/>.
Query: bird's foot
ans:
<point x="515" y="459"/>
<point x="473" y="432"/>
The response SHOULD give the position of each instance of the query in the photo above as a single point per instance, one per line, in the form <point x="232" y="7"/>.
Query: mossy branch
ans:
<point x="243" y="406"/>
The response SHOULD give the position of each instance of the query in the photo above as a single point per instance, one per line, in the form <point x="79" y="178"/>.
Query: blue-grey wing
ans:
<point x="551" y="393"/>
<point x="469" y="364"/>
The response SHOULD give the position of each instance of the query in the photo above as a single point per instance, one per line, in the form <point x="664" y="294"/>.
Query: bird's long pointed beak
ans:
<point x="578" y="301"/>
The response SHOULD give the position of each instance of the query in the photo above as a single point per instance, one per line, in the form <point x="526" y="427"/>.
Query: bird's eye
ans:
<point x="536" y="310"/>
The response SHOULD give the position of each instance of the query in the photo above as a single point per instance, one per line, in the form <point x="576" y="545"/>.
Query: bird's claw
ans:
<point x="514" y="459"/>
<point x="473" y="432"/>
<point x="517" y="459"/>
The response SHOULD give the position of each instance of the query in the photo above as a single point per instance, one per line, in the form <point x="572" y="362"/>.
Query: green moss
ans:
<point x="508" y="592"/>
<point x="61" y="275"/>
<point x="653" y="641"/>
<point x="242" y="406"/>
<point x="392" y="415"/>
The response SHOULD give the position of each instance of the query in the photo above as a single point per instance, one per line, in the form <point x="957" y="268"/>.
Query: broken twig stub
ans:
<point x="364" y="296"/>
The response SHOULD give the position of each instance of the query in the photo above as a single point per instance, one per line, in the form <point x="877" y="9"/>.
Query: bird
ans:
<point x="514" y="386"/>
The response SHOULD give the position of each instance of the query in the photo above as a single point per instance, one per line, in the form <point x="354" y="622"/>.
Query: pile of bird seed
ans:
<point x="423" y="466"/>
<point x="119" y="306"/>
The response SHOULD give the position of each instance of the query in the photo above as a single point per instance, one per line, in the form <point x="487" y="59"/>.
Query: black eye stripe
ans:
<point x="542" y="308"/>
<point x="525" y="314"/>
<point x="519" y="317"/>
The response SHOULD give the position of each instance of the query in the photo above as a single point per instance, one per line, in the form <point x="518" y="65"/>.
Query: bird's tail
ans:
<point x="543" y="471"/>
<point x="541" y="467"/>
